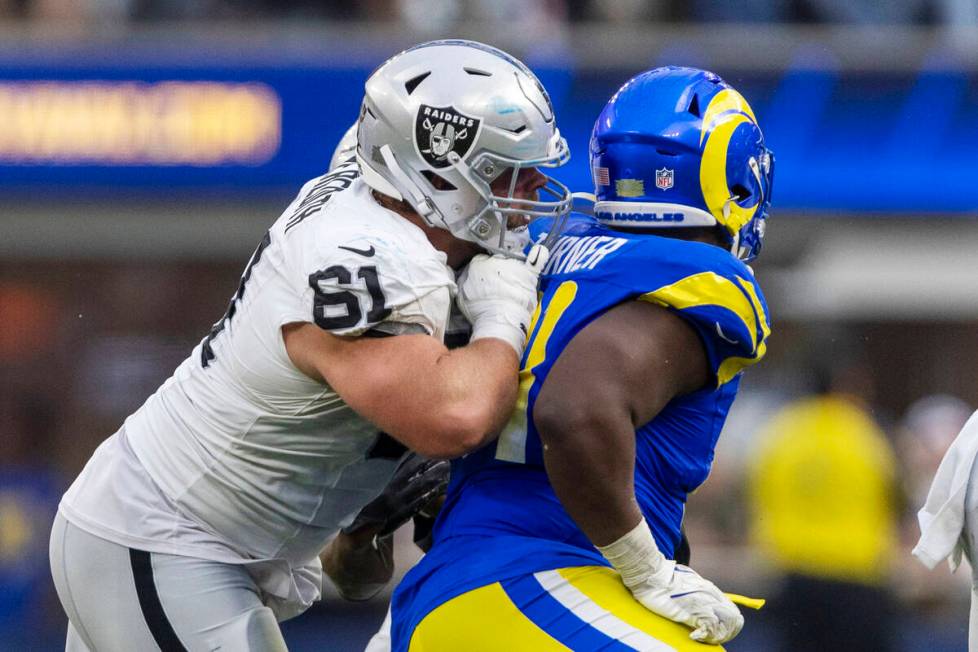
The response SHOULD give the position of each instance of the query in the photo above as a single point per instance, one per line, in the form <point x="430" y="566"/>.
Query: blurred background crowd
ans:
<point x="145" y="145"/>
<point x="450" y="14"/>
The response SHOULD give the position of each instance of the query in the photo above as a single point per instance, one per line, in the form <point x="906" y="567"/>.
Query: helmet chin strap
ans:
<point x="735" y="241"/>
<point x="735" y="245"/>
<point x="403" y="184"/>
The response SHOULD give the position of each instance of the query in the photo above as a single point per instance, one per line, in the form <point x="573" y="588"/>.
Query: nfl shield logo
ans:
<point x="664" y="179"/>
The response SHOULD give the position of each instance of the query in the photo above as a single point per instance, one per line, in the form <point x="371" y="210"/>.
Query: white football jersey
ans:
<point x="250" y="459"/>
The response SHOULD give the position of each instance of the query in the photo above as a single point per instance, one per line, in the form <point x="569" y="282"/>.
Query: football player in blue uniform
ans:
<point x="563" y="533"/>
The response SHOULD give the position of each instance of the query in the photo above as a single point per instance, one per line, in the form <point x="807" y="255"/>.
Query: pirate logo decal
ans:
<point x="440" y="130"/>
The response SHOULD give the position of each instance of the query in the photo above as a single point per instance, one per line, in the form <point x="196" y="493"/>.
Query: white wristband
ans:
<point x="637" y="558"/>
<point x="512" y="335"/>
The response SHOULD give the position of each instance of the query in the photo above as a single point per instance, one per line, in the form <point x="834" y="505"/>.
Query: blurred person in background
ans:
<point x="199" y="523"/>
<point x="925" y="433"/>
<point x="825" y="507"/>
<point x="949" y="517"/>
<point x="565" y="532"/>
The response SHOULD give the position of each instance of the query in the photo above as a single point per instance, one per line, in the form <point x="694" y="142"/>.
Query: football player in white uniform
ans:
<point x="198" y="524"/>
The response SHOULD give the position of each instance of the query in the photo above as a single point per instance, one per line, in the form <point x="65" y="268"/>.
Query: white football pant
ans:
<point x="119" y="599"/>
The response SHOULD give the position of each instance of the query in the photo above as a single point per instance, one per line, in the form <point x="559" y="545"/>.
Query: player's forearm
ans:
<point x="590" y="463"/>
<point x="462" y="400"/>
<point x="438" y="402"/>
<point x="481" y="380"/>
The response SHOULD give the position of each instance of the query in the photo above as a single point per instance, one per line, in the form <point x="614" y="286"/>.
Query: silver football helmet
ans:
<point x="442" y="121"/>
<point x="346" y="149"/>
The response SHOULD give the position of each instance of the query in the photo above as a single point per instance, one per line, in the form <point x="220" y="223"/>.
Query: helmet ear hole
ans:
<point x="437" y="182"/>
<point x="741" y="192"/>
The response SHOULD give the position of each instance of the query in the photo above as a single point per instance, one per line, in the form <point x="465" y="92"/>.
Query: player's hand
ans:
<point x="672" y="590"/>
<point x="498" y="295"/>
<point x="687" y="598"/>
<point x="416" y="482"/>
<point x="359" y="570"/>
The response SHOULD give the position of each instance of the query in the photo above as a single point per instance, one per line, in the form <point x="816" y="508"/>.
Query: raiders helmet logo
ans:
<point x="440" y="130"/>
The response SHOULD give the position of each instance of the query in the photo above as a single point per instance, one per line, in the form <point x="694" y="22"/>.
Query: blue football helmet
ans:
<point x="680" y="147"/>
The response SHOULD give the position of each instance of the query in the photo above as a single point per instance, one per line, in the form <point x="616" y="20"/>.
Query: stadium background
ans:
<point x="145" y="145"/>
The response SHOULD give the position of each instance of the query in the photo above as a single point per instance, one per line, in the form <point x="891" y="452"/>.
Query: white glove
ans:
<point x="498" y="294"/>
<point x="672" y="590"/>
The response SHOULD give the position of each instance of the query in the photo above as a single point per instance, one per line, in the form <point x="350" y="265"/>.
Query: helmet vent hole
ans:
<point x="477" y="72"/>
<point x="437" y="182"/>
<point x="412" y="83"/>
<point x="370" y="113"/>
<point x="518" y="130"/>
<point x="666" y="152"/>
<point x="740" y="192"/>
<point x="694" y="106"/>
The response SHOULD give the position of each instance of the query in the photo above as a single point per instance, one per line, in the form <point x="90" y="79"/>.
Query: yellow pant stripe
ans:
<point x="601" y="619"/>
<point x="486" y="619"/>
<point x="483" y="620"/>
<point x="603" y="586"/>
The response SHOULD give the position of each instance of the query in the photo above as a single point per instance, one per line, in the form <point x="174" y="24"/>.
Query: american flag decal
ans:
<point x="601" y="176"/>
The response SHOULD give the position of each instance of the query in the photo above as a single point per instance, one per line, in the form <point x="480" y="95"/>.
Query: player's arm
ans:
<point x="436" y="401"/>
<point x="359" y="565"/>
<point x="616" y="375"/>
<point x="359" y="560"/>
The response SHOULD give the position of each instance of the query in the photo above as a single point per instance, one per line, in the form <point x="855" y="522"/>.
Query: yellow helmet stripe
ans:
<point x="727" y="110"/>
<point x="713" y="177"/>
<point x="726" y="100"/>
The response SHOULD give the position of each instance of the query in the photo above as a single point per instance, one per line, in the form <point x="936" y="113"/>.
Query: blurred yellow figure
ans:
<point x="824" y="512"/>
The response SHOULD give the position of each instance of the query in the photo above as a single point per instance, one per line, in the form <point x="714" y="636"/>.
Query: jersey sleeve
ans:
<point x="358" y="285"/>
<point x="719" y="297"/>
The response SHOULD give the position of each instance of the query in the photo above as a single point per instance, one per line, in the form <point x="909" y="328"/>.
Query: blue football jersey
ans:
<point x="501" y="518"/>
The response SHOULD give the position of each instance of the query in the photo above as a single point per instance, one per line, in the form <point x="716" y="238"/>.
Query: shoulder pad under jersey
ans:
<point x="714" y="292"/>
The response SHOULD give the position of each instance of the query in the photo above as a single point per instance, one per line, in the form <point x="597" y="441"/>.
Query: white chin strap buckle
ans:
<point x="418" y="201"/>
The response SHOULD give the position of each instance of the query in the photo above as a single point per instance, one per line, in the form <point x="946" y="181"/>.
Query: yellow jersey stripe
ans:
<point x="707" y="289"/>
<point x="511" y="445"/>
<point x="758" y="306"/>
<point x="730" y="367"/>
